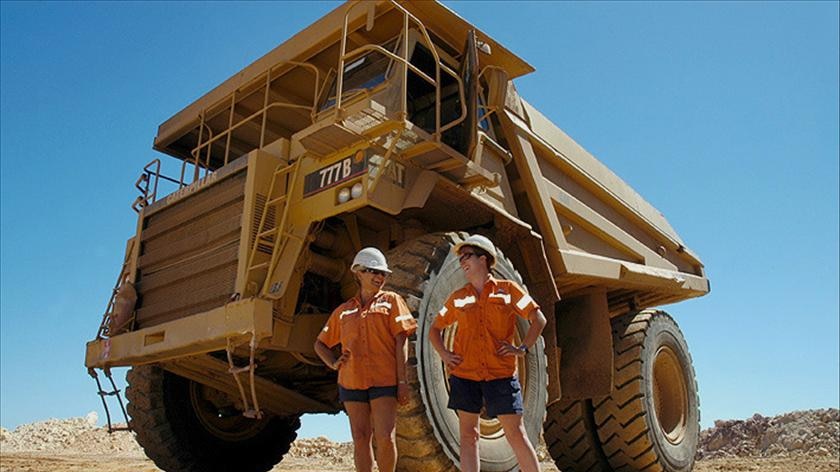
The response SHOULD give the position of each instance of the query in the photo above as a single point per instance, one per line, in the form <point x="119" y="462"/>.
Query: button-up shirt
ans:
<point x="368" y="333"/>
<point x="484" y="321"/>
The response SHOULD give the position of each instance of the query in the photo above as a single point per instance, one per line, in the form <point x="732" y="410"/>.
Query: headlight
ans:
<point x="344" y="195"/>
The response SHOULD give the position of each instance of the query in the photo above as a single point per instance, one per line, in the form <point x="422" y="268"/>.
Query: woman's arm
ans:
<point x="449" y="358"/>
<point x="538" y="322"/>
<point x="402" y="361"/>
<point x="326" y="355"/>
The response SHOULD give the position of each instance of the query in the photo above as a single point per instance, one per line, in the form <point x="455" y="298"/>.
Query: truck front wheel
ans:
<point x="185" y="426"/>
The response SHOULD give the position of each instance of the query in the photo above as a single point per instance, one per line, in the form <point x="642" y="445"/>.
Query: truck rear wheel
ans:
<point x="651" y="421"/>
<point x="185" y="426"/>
<point x="572" y="437"/>
<point x="425" y="272"/>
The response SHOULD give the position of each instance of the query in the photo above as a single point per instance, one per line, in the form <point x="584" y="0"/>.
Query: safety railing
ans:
<point x="147" y="184"/>
<point x="116" y="319"/>
<point x="206" y="145"/>
<point x="496" y="78"/>
<point x="408" y="20"/>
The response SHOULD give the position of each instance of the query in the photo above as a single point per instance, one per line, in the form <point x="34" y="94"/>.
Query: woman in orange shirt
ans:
<point x="373" y="329"/>
<point x="482" y="363"/>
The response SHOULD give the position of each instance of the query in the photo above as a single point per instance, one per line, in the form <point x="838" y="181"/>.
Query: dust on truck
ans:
<point x="395" y="125"/>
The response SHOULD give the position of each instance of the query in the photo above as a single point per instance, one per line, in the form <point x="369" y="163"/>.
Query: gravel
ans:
<point x="81" y="436"/>
<point x="814" y="433"/>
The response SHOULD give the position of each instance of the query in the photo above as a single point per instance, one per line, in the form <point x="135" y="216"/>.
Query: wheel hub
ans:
<point x="220" y="416"/>
<point x="670" y="396"/>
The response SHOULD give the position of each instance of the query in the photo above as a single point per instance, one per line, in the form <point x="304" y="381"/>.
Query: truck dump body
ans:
<point x="607" y="230"/>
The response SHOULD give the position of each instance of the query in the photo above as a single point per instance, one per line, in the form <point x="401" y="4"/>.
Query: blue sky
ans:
<point x="723" y="115"/>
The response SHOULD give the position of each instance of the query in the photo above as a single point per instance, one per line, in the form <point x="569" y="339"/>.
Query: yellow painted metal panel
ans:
<point x="596" y="173"/>
<point x="631" y="274"/>
<point x="606" y="228"/>
<point x="196" y="334"/>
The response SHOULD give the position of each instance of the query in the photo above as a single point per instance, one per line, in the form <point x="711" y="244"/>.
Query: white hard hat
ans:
<point x="479" y="241"/>
<point x="370" y="258"/>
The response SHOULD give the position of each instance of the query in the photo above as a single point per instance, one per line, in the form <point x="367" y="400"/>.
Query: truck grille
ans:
<point x="189" y="253"/>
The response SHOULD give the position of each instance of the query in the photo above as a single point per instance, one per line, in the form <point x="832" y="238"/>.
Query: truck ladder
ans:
<point x="114" y="392"/>
<point x="277" y="237"/>
<point x="249" y="409"/>
<point x="104" y="326"/>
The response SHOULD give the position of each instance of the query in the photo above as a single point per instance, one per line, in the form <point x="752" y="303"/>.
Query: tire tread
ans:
<point x="624" y="423"/>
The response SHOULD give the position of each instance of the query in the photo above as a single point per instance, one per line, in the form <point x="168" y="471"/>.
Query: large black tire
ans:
<point x="180" y="429"/>
<point x="651" y="419"/>
<point x="425" y="272"/>
<point x="572" y="438"/>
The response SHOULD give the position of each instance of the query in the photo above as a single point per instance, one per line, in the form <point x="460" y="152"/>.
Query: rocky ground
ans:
<point x="804" y="441"/>
<point x="812" y="433"/>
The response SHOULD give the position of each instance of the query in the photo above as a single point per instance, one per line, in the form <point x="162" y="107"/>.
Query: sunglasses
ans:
<point x="374" y="272"/>
<point x="466" y="255"/>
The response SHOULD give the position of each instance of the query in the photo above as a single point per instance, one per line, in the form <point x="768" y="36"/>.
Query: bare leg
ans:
<point x="360" y="429"/>
<point x="519" y="442"/>
<point x="468" y="426"/>
<point x="384" y="418"/>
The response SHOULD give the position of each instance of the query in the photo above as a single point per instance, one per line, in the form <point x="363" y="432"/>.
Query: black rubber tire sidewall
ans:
<point x="175" y="439"/>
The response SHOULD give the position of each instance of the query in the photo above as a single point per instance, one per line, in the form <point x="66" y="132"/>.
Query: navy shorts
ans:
<point x="365" y="396"/>
<point x="499" y="397"/>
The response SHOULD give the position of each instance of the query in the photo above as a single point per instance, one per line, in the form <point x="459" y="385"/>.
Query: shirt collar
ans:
<point x="357" y="299"/>
<point x="491" y="283"/>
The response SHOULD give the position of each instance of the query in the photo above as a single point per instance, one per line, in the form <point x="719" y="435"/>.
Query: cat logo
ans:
<point x="395" y="172"/>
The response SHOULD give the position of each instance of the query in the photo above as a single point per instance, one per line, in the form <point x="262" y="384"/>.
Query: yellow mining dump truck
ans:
<point x="395" y="125"/>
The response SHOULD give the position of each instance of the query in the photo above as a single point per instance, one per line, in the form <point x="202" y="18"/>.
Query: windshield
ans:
<point x="363" y="73"/>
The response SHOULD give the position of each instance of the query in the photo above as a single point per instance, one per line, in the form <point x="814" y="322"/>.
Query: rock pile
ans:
<point x="82" y="436"/>
<point x="74" y="435"/>
<point x="322" y="449"/>
<point x="812" y="432"/>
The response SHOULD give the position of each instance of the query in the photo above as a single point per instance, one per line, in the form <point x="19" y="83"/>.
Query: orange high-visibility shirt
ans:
<point x="369" y="333"/>
<point x="484" y="321"/>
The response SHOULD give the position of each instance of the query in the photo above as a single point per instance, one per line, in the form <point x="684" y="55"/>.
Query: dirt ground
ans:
<point x="33" y="462"/>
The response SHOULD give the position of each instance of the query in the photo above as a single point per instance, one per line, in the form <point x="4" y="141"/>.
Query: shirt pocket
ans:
<point x="501" y="322"/>
<point x="461" y="340"/>
<point x="379" y="327"/>
<point x="349" y="332"/>
<point x="497" y="299"/>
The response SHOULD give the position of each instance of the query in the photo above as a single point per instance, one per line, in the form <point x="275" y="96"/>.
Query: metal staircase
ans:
<point x="271" y="236"/>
